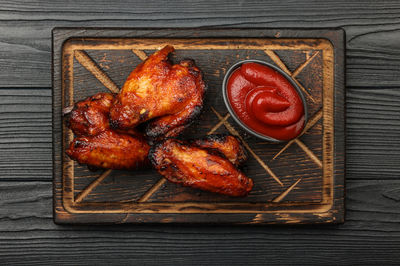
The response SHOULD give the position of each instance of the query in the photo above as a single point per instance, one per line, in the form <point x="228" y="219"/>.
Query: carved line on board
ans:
<point x="139" y="53"/>
<point x="309" y="152"/>
<point x="302" y="66"/>
<point x="153" y="189"/>
<point x="286" y="192"/>
<point x="69" y="164"/>
<point x="316" y="117"/>
<point x="222" y="121"/>
<point x="202" y="44"/>
<point x="92" y="185"/>
<point x="280" y="63"/>
<point x="87" y="62"/>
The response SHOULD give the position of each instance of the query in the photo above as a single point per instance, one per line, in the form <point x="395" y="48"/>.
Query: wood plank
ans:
<point x="25" y="134"/>
<point x="370" y="234"/>
<point x="373" y="133"/>
<point x="372" y="30"/>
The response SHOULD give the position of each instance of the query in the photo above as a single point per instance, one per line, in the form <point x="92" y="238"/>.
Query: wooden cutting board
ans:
<point x="301" y="181"/>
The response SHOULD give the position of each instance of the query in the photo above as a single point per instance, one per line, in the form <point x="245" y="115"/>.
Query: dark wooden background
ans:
<point x="371" y="233"/>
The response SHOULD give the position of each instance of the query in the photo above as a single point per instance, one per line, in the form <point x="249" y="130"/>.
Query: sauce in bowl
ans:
<point x="266" y="101"/>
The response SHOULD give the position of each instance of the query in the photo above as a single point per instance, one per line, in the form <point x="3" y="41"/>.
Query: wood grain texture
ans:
<point x="373" y="130"/>
<point x="25" y="134"/>
<point x="371" y="235"/>
<point x="372" y="29"/>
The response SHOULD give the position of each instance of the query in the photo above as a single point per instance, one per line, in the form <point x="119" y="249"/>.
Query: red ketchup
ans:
<point x="266" y="101"/>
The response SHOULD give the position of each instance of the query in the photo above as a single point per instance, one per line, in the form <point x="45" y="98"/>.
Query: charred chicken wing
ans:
<point x="90" y="116"/>
<point x="110" y="150"/>
<point x="169" y="95"/>
<point x="192" y="166"/>
<point x="228" y="145"/>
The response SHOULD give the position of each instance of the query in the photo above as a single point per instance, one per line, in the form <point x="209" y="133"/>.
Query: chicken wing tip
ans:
<point x="163" y="52"/>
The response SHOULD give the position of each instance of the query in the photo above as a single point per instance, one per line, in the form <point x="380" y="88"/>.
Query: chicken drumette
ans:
<point x="99" y="146"/>
<point x="189" y="165"/>
<point x="227" y="145"/>
<point x="171" y="96"/>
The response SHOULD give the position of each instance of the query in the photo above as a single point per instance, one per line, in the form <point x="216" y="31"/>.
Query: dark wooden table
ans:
<point x="371" y="233"/>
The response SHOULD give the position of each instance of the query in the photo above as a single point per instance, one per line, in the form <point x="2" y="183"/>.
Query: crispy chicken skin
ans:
<point x="90" y="116"/>
<point x="110" y="150"/>
<point x="228" y="145"/>
<point x="186" y="164"/>
<point x="169" y="95"/>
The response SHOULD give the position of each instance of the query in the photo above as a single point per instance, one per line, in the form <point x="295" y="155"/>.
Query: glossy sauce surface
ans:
<point x="266" y="101"/>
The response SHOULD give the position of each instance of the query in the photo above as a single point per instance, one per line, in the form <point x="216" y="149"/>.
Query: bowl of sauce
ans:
<point x="264" y="100"/>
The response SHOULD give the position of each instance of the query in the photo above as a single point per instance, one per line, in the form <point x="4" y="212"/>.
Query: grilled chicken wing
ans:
<point x="171" y="95"/>
<point x="97" y="145"/>
<point x="228" y="145"/>
<point x="90" y="116"/>
<point x="111" y="150"/>
<point x="192" y="166"/>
